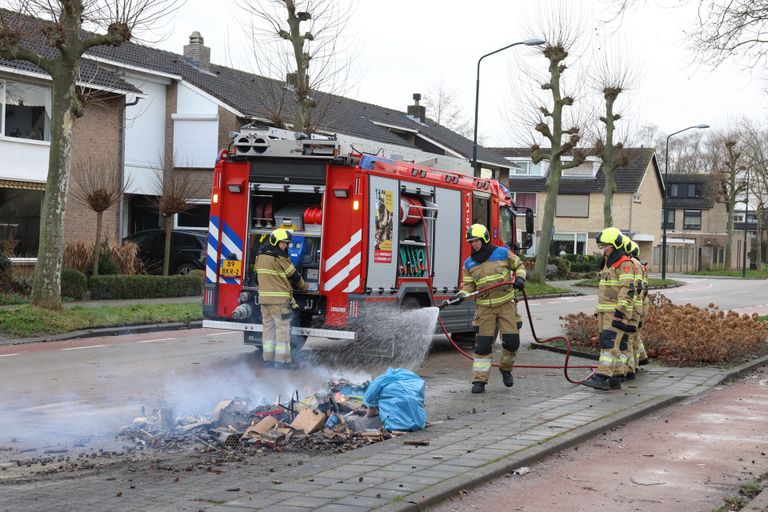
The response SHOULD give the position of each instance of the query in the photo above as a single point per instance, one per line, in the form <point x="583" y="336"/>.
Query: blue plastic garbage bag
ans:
<point x="399" y="396"/>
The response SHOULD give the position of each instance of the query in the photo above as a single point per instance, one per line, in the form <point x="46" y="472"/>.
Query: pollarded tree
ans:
<point x="98" y="185"/>
<point x="561" y="142"/>
<point x="288" y="37"/>
<point x="70" y="28"/>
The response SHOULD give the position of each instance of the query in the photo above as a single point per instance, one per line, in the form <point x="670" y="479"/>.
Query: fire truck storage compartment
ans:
<point x="298" y="211"/>
<point x="416" y="218"/>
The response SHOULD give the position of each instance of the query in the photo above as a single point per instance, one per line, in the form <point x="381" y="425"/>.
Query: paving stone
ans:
<point x="312" y="501"/>
<point x="363" y="501"/>
<point x="341" y="508"/>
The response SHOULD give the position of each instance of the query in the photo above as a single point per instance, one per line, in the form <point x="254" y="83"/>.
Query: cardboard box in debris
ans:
<point x="326" y="416"/>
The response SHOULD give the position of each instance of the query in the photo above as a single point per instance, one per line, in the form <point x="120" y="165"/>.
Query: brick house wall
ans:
<point x="97" y="133"/>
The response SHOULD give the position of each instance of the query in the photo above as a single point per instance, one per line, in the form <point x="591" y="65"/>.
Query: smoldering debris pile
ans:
<point x="331" y="419"/>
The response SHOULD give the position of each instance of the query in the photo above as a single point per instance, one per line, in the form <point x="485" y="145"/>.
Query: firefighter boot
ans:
<point x="509" y="381"/>
<point x="478" y="387"/>
<point x="598" y="381"/>
<point x="615" y="382"/>
<point x="630" y="376"/>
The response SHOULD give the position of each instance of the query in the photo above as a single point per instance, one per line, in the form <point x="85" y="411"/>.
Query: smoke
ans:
<point x="65" y="420"/>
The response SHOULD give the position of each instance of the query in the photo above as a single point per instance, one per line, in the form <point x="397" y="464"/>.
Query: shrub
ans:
<point x="582" y="263"/>
<point x="562" y="265"/>
<point x="685" y="335"/>
<point x="73" y="284"/>
<point x="143" y="286"/>
<point x="551" y="272"/>
<point x="76" y="255"/>
<point x="126" y="256"/>
<point x="107" y="265"/>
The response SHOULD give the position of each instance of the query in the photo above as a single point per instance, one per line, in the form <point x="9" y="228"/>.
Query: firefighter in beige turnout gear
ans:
<point x="277" y="277"/>
<point x="496" y="308"/>
<point x="628" y="349"/>
<point x="641" y="310"/>
<point x="615" y="303"/>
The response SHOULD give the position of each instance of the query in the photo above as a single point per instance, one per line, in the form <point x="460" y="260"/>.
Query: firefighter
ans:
<point x="641" y="358"/>
<point x="614" y="308"/>
<point x="628" y="350"/>
<point x="487" y="265"/>
<point x="277" y="278"/>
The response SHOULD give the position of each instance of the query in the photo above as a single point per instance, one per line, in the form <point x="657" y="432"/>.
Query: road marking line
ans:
<point x="81" y="348"/>
<point x="8" y="355"/>
<point x="221" y="333"/>
<point x="158" y="339"/>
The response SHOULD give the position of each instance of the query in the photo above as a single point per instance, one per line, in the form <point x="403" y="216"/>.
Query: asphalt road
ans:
<point x="74" y="395"/>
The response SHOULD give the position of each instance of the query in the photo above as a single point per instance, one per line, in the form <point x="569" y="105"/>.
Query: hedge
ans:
<point x="73" y="284"/>
<point x="144" y="286"/>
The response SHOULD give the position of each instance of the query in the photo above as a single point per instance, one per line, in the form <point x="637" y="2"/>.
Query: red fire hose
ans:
<point x="565" y="367"/>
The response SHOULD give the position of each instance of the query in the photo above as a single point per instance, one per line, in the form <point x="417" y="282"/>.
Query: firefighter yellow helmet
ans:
<point x="279" y="235"/>
<point x="478" y="232"/>
<point x="612" y="237"/>
<point x="631" y="248"/>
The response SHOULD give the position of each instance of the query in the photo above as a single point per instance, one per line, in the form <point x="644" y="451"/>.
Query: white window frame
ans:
<point x="191" y="228"/>
<point x="3" y="92"/>
<point x="575" y="240"/>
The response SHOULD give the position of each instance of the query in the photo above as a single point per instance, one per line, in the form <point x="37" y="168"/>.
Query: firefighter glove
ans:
<point x="294" y="304"/>
<point x="519" y="283"/>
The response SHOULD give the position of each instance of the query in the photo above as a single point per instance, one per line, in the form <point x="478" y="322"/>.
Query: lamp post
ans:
<point x="664" y="197"/>
<point x="527" y="42"/>
<point x="746" y="224"/>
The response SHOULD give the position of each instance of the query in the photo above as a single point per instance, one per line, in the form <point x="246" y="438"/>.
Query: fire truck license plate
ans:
<point x="230" y="268"/>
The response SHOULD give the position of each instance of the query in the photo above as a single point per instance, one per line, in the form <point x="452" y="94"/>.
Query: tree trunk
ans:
<point x="97" y="246"/>
<point x="167" y="251"/>
<point x="608" y="165"/>
<point x="547" y="223"/>
<point x="46" y="282"/>
<point x="759" y="238"/>
<point x="302" y="65"/>
<point x="729" y="208"/>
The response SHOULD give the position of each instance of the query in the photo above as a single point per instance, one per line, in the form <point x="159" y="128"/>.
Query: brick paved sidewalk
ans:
<point x="389" y="476"/>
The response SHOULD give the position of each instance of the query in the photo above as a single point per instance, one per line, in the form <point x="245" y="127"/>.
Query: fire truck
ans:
<point x="367" y="232"/>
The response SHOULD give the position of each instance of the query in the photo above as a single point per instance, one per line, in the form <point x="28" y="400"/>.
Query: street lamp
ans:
<point x="527" y="42"/>
<point x="746" y="225"/>
<point x="664" y="207"/>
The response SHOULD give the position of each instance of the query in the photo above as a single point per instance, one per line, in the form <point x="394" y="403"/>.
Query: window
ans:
<point x="20" y="220"/>
<point x="527" y="199"/>
<point x="194" y="218"/>
<point x="692" y="219"/>
<point x="481" y="209"/>
<point x="670" y="220"/>
<point x="505" y="225"/>
<point x="526" y="169"/>
<point x="572" y="206"/>
<point x="673" y="190"/>
<point x="684" y="190"/>
<point x="25" y="111"/>
<point x="568" y="243"/>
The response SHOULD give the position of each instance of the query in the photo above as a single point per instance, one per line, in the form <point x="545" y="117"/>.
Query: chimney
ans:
<point x="417" y="111"/>
<point x="196" y="53"/>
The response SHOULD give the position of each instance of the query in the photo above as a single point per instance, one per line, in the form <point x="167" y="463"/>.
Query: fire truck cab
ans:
<point x="367" y="231"/>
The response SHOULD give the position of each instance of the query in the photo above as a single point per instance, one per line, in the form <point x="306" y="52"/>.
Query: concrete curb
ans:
<point x="758" y="504"/>
<point x="442" y="491"/>
<point x="105" y="331"/>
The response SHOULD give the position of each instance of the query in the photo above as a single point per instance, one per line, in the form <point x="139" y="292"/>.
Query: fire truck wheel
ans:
<point x="297" y="342"/>
<point x="464" y="338"/>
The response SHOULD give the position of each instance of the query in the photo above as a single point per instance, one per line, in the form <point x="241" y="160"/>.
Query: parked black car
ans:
<point x="188" y="250"/>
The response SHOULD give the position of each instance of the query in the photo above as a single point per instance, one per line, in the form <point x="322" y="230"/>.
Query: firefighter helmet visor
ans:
<point x="478" y="232"/>
<point x="279" y="235"/>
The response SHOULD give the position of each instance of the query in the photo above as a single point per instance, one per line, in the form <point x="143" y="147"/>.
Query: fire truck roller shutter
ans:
<point x="410" y="213"/>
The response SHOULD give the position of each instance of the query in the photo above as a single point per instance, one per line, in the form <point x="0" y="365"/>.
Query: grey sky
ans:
<point x="404" y="47"/>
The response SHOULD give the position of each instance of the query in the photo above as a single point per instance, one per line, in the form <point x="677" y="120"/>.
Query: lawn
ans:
<point x="26" y="321"/>
<point x="753" y="274"/>
<point x="537" y="289"/>
<point x="652" y="282"/>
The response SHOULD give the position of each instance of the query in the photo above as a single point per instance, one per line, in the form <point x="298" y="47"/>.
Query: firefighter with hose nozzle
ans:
<point x="277" y="277"/>
<point x="496" y="308"/>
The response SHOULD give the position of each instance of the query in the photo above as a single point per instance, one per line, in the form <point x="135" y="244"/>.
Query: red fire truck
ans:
<point x="367" y="232"/>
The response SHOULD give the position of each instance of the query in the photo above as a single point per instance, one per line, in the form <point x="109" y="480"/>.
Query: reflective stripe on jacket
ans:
<point x="274" y="272"/>
<point x="616" y="282"/>
<point x="502" y="265"/>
